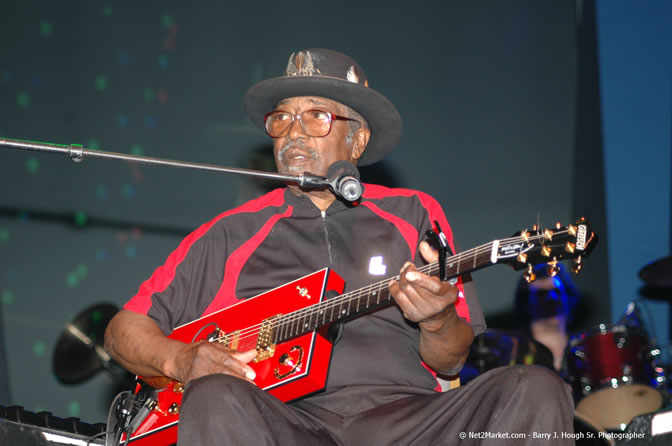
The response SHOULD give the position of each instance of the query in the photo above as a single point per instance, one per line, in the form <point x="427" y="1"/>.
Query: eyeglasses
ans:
<point x="313" y="122"/>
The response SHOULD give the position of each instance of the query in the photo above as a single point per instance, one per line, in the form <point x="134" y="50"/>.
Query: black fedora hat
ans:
<point x="333" y="75"/>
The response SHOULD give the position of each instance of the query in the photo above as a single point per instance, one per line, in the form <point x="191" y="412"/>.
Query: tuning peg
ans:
<point x="553" y="270"/>
<point x="570" y="247"/>
<point x="558" y="225"/>
<point x="546" y="250"/>
<point x="529" y="275"/>
<point x="572" y="230"/>
<point x="525" y="235"/>
<point x="548" y="234"/>
<point x="522" y="257"/>
<point x="578" y="264"/>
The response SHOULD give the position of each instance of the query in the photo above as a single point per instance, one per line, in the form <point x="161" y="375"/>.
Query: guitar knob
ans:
<point x="286" y="360"/>
<point x="174" y="409"/>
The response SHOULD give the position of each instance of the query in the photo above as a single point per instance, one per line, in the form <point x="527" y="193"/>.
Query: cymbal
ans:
<point x="79" y="352"/>
<point x="658" y="273"/>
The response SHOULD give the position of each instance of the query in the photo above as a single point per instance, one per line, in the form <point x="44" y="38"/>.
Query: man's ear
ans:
<point x="359" y="142"/>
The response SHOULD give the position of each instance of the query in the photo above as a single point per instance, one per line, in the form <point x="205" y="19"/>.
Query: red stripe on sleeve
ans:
<point x="227" y="292"/>
<point x="165" y="274"/>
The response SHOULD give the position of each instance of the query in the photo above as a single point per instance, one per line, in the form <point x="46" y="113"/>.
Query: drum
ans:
<point x="615" y="375"/>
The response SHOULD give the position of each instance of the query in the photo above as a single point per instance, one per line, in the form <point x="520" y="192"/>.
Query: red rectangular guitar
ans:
<point x="288" y="325"/>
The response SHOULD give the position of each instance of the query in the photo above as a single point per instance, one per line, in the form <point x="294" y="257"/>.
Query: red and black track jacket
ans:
<point x="280" y="237"/>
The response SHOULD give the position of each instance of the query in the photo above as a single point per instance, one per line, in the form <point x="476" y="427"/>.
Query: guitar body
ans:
<point x="287" y="370"/>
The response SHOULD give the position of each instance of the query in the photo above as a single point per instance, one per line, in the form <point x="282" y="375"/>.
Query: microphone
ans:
<point x="343" y="179"/>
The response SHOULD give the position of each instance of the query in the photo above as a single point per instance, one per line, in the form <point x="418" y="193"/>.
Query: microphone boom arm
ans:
<point x="77" y="153"/>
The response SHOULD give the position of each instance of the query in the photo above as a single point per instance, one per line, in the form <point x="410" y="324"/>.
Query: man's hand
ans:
<point x="138" y="344"/>
<point x="445" y="337"/>
<point x="208" y="358"/>
<point x="422" y="298"/>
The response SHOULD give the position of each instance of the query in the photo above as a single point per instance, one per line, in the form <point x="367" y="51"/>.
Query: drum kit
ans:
<point x="615" y="370"/>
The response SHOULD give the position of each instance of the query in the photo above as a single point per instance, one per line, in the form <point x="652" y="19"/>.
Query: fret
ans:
<point x="323" y="313"/>
<point x="311" y="323"/>
<point x="278" y="332"/>
<point x="457" y="268"/>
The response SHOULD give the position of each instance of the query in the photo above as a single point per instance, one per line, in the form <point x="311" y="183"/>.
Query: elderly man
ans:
<point x="381" y="387"/>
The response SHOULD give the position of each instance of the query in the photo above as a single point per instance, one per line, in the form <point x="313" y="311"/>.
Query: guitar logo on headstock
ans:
<point x="581" y="237"/>
<point x="513" y="249"/>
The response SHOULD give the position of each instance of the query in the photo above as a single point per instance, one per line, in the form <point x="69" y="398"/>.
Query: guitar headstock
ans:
<point x="533" y="247"/>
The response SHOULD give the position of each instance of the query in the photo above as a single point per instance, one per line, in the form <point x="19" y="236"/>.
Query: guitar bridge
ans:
<point x="265" y="346"/>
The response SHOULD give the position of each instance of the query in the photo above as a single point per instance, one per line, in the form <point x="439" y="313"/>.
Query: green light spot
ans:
<point x="4" y="235"/>
<point x="82" y="271"/>
<point x="137" y="150"/>
<point x="72" y="280"/>
<point x="93" y="144"/>
<point x="81" y="219"/>
<point x="149" y="95"/>
<point x="102" y="192"/>
<point x="130" y="250"/>
<point x="39" y="348"/>
<point x="8" y="297"/>
<point x="167" y="20"/>
<point x="96" y="316"/>
<point x="45" y="28"/>
<point x="101" y="83"/>
<point x="106" y="11"/>
<point x="32" y="165"/>
<point x="74" y="409"/>
<point x="163" y="61"/>
<point x="23" y="99"/>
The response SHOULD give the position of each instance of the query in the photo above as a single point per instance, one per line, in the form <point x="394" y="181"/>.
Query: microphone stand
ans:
<point x="77" y="153"/>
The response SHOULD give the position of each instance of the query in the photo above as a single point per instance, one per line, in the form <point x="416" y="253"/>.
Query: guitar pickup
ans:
<point x="265" y="345"/>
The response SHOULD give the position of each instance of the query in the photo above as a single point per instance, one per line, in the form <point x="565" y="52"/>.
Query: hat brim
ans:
<point x="383" y="118"/>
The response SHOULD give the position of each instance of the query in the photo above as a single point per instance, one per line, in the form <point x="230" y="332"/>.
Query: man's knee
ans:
<point x="536" y="381"/>
<point x="219" y="390"/>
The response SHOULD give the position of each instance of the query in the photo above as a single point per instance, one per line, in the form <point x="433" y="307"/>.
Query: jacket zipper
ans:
<point x="326" y="237"/>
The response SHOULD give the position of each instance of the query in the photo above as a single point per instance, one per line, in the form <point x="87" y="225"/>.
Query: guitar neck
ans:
<point x="373" y="296"/>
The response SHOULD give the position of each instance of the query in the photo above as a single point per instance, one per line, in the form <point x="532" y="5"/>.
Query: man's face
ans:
<point x="297" y="152"/>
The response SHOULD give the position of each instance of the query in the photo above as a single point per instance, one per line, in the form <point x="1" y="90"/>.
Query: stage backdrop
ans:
<point x="486" y="88"/>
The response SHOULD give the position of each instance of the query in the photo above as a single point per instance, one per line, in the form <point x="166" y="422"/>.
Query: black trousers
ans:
<point x="508" y="405"/>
